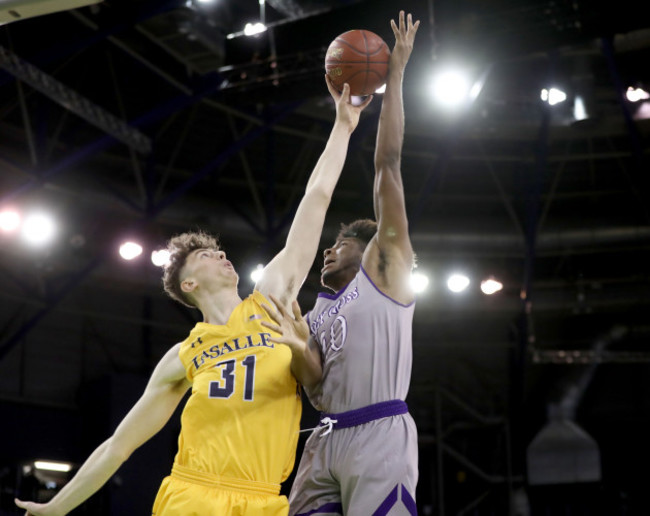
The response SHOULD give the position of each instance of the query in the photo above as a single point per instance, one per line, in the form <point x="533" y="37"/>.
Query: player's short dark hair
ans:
<point x="179" y="248"/>
<point x="361" y="229"/>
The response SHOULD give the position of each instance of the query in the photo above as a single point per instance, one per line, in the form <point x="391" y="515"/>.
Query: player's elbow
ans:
<point x="117" y="451"/>
<point x="388" y="159"/>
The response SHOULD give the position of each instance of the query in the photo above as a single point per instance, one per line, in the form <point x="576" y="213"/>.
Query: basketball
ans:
<point x="360" y="58"/>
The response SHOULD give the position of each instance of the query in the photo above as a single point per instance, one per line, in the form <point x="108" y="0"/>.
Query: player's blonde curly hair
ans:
<point x="179" y="247"/>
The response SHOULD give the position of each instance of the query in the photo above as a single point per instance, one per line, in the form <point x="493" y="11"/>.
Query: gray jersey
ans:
<point x="366" y="349"/>
<point x="365" y="343"/>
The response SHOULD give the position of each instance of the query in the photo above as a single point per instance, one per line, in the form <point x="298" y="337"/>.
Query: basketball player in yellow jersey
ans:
<point x="240" y="425"/>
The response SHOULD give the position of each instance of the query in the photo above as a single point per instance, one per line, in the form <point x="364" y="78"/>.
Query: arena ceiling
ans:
<point x="141" y="118"/>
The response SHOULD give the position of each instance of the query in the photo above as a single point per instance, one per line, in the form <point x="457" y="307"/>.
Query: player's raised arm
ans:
<point x="389" y="257"/>
<point x="150" y="413"/>
<point x="284" y="275"/>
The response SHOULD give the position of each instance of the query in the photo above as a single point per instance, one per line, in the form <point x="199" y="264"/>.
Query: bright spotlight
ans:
<point x="636" y="94"/>
<point x="160" y="258"/>
<point x="553" y="96"/>
<point x="48" y="465"/>
<point x="451" y="88"/>
<point x="130" y="250"/>
<point x="457" y="282"/>
<point x="9" y="220"/>
<point x="491" y="286"/>
<point x="38" y="229"/>
<point x="419" y="282"/>
<point x="251" y="29"/>
<point x="257" y="273"/>
<point x="381" y="89"/>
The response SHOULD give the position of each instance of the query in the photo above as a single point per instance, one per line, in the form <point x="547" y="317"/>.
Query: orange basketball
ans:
<point x="360" y="58"/>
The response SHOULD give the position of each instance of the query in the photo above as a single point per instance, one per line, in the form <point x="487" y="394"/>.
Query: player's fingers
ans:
<point x="393" y="26"/>
<point x="415" y="27"/>
<point x="345" y="94"/>
<point x="297" y="314"/>
<point x="367" y="101"/>
<point x="272" y="326"/>
<point x="402" y="27"/>
<point x="272" y="313"/>
<point x="333" y="91"/>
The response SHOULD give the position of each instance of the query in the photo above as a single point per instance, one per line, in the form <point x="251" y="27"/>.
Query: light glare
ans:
<point x="491" y="286"/>
<point x="130" y="250"/>
<point x="160" y="258"/>
<point x="251" y="29"/>
<point x="636" y="94"/>
<point x="47" y="465"/>
<point x="553" y="96"/>
<point x="9" y="220"/>
<point x="457" y="282"/>
<point x="257" y="273"/>
<point x="381" y="89"/>
<point x="451" y="88"/>
<point x="419" y="282"/>
<point x="38" y="229"/>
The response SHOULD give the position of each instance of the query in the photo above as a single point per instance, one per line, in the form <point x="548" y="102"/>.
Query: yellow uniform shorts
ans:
<point x="191" y="493"/>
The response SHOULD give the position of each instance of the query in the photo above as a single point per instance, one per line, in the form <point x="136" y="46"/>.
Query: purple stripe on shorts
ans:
<point x="328" y="508"/>
<point x="387" y="504"/>
<point x="366" y="414"/>
<point x="409" y="502"/>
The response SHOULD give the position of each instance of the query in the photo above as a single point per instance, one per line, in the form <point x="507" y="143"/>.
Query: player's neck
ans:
<point x="216" y="308"/>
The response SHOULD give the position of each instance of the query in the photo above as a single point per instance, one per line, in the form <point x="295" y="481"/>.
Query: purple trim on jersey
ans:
<point x="327" y="508"/>
<point x="385" y="295"/>
<point x="409" y="502"/>
<point x="336" y="295"/>
<point x="366" y="414"/>
<point x="387" y="504"/>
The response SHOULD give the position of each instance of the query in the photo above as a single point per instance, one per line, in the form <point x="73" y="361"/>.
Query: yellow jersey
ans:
<point x="242" y="418"/>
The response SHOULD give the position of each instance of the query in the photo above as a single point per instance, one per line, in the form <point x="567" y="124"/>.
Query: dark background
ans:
<point x="221" y="138"/>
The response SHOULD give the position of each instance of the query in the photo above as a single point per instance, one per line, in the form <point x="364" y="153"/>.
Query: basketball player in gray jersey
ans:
<point x="362" y="459"/>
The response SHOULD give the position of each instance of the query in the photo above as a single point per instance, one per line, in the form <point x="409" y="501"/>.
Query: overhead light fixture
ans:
<point x="130" y="250"/>
<point x="257" y="273"/>
<point x="38" y="229"/>
<point x="457" y="282"/>
<point x="9" y="220"/>
<point x="160" y="258"/>
<point x="252" y="29"/>
<point x="636" y="94"/>
<point x="553" y="96"/>
<point x="491" y="286"/>
<point x="419" y="282"/>
<point x="48" y="465"/>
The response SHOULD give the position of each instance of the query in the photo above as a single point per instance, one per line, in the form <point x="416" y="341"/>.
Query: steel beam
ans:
<point x="73" y="101"/>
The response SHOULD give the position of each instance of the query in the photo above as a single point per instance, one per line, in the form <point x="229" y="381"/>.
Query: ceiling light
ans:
<point x="491" y="286"/>
<point x="38" y="229"/>
<point x="457" y="282"/>
<point x="47" y="465"/>
<point x="130" y="250"/>
<point x="257" y="273"/>
<point x="251" y="29"/>
<point x="553" y="96"/>
<point x="9" y="220"/>
<point x="419" y="282"/>
<point x="160" y="258"/>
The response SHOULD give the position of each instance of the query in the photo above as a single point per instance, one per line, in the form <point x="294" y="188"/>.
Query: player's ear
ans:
<point x="188" y="285"/>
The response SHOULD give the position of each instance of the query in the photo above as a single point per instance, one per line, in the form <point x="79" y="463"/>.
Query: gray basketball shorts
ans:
<point x="365" y="470"/>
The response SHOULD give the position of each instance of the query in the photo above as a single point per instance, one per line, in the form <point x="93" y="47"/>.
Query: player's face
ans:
<point x="208" y="265"/>
<point x="342" y="262"/>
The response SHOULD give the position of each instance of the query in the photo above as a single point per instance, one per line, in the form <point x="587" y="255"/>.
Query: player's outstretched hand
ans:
<point x="346" y="112"/>
<point x="293" y="329"/>
<point x="36" y="509"/>
<point x="404" y="37"/>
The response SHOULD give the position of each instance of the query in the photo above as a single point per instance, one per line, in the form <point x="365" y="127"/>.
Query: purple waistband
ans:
<point x="366" y="414"/>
